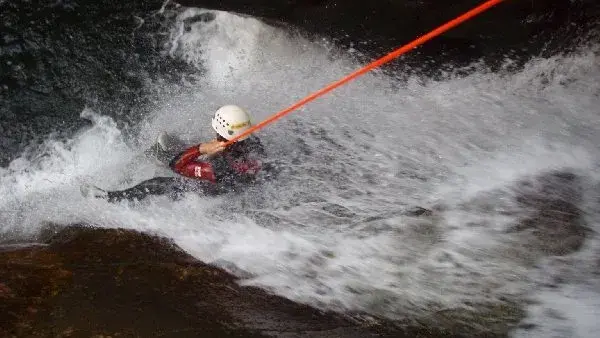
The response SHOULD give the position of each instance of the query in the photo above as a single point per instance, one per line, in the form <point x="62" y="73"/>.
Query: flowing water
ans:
<point x="331" y="229"/>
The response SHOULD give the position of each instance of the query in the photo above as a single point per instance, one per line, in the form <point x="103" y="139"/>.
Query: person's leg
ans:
<point x="170" y="186"/>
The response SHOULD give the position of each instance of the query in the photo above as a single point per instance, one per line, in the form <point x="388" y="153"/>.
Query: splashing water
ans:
<point x="332" y="230"/>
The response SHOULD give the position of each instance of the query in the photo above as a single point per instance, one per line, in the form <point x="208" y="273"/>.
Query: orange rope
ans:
<point x="391" y="56"/>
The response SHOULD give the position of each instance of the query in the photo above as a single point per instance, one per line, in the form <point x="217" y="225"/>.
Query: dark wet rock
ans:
<point x="375" y="27"/>
<point x="203" y="17"/>
<point x="89" y="282"/>
<point x="57" y="57"/>
<point x="546" y="210"/>
<point x="488" y="320"/>
<point x="338" y="210"/>
<point x="418" y="211"/>
<point x="28" y="279"/>
<point x="110" y="282"/>
<point x="527" y="326"/>
<point x="553" y="224"/>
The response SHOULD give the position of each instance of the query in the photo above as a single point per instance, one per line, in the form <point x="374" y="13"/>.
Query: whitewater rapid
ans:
<point x="330" y="230"/>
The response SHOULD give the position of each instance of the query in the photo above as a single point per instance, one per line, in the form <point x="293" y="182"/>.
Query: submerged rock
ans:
<point x="554" y="224"/>
<point x="90" y="282"/>
<point x="99" y="282"/>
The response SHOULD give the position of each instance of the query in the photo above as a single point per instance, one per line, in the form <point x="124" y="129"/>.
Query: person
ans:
<point x="210" y="167"/>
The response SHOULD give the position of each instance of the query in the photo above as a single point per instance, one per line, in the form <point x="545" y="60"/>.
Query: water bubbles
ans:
<point x="335" y="228"/>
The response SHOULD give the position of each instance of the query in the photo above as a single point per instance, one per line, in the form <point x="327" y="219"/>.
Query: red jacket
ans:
<point x="238" y="163"/>
<point x="187" y="165"/>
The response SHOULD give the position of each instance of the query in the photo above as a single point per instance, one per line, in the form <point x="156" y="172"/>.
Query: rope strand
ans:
<point x="387" y="58"/>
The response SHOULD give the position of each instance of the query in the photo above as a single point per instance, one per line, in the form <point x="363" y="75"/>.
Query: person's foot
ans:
<point x="88" y="190"/>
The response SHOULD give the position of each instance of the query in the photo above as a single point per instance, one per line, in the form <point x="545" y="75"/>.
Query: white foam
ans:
<point x="373" y="147"/>
<point x="570" y="311"/>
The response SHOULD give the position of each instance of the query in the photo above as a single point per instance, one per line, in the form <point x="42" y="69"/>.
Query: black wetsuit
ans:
<point x="230" y="170"/>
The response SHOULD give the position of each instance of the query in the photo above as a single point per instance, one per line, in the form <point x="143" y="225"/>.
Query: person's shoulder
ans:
<point x="253" y="144"/>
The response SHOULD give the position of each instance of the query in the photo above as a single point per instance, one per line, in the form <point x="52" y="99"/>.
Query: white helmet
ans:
<point x="230" y="121"/>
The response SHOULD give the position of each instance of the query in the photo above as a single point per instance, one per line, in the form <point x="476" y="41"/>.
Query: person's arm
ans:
<point x="186" y="164"/>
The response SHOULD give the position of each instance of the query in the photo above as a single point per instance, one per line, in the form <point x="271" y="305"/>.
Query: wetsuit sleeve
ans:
<point x="186" y="164"/>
